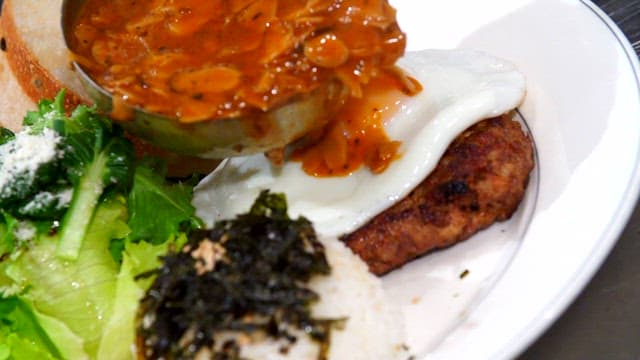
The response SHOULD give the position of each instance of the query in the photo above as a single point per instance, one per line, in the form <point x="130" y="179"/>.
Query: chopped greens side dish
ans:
<point x="80" y="219"/>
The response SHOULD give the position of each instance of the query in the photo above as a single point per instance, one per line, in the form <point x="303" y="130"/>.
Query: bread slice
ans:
<point x="35" y="50"/>
<point x="13" y="102"/>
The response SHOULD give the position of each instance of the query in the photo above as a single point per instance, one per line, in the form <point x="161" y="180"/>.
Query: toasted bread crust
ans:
<point x="13" y="102"/>
<point x="35" y="80"/>
<point x="481" y="179"/>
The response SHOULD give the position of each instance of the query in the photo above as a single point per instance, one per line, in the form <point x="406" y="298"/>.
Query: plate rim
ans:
<point x="566" y="291"/>
<point x="572" y="289"/>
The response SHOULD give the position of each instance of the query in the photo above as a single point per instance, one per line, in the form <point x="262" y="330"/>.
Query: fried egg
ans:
<point x="460" y="88"/>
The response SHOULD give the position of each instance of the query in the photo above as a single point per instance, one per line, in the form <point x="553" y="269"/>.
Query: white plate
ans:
<point x="583" y="110"/>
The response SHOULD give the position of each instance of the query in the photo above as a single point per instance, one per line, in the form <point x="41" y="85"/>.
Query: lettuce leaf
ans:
<point x="70" y="345"/>
<point x="68" y="283"/>
<point x="159" y="210"/>
<point x="14" y="347"/>
<point x="21" y="336"/>
<point x="119" y="333"/>
<point x="86" y="308"/>
<point x="8" y="240"/>
<point x="78" y="293"/>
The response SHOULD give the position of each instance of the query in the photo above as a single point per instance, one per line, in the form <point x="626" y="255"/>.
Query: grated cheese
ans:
<point x="61" y="199"/>
<point x="24" y="232"/>
<point x="25" y="154"/>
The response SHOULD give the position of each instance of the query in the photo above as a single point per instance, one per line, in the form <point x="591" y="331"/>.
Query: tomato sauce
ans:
<point x="202" y="60"/>
<point x="356" y="136"/>
<point x="206" y="59"/>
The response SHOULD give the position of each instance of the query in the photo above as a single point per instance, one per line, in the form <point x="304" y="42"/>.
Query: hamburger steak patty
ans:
<point x="480" y="179"/>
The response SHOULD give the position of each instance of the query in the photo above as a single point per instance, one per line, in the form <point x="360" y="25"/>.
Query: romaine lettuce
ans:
<point x="82" y="303"/>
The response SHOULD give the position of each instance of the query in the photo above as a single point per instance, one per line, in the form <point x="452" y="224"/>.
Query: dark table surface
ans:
<point x="604" y="321"/>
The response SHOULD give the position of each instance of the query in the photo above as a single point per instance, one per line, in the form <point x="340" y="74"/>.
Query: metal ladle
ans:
<point x="210" y="138"/>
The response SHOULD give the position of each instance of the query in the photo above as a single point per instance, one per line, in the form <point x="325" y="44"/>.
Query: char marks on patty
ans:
<point x="481" y="179"/>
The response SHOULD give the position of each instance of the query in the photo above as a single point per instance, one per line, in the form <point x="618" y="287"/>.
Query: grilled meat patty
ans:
<point x="480" y="179"/>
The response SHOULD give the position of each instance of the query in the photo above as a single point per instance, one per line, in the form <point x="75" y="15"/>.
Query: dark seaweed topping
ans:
<point x="247" y="275"/>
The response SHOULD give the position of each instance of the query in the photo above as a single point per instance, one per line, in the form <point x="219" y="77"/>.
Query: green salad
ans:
<point x="101" y="257"/>
<point x="80" y="219"/>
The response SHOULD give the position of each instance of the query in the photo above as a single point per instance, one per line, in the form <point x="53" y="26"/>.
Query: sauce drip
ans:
<point x="207" y="59"/>
<point x="356" y="136"/>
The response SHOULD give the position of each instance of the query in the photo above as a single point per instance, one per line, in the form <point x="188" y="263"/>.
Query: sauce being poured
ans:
<point x="356" y="136"/>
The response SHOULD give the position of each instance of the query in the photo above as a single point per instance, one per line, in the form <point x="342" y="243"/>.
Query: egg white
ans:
<point x="461" y="87"/>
